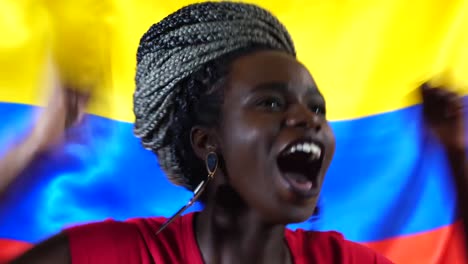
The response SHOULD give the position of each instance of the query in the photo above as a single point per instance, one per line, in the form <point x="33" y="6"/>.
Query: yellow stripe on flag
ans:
<point x="368" y="57"/>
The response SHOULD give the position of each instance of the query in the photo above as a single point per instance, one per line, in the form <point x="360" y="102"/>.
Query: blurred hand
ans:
<point x="444" y="113"/>
<point x="64" y="109"/>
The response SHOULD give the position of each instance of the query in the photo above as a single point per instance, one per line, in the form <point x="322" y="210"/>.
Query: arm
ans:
<point x="443" y="113"/>
<point x="65" y="108"/>
<point x="54" y="250"/>
<point x="458" y="161"/>
<point x="16" y="160"/>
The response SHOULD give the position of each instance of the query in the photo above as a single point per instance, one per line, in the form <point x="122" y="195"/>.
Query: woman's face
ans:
<point x="275" y="140"/>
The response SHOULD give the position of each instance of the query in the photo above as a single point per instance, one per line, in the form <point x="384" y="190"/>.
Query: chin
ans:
<point x="296" y="214"/>
<point x="299" y="217"/>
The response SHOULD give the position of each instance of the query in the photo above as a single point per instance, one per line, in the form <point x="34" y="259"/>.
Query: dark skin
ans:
<point x="270" y="101"/>
<point x="273" y="101"/>
<point x="443" y="113"/>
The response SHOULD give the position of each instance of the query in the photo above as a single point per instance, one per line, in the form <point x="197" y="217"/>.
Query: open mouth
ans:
<point x="300" y="164"/>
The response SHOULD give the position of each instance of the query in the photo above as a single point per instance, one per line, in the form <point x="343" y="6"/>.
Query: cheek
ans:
<point x="330" y="142"/>
<point x="245" y="148"/>
<point x="241" y="143"/>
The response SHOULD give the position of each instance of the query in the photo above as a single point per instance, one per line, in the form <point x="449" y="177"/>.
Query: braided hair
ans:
<point x="181" y="65"/>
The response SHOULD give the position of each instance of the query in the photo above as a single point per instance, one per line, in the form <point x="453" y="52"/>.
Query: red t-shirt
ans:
<point x="135" y="241"/>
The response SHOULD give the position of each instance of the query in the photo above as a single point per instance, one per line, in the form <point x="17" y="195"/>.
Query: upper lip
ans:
<point x="312" y="173"/>
<point x="286" y="147"/>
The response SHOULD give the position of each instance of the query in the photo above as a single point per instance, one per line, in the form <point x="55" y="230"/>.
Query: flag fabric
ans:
<point x="388" y="187"/>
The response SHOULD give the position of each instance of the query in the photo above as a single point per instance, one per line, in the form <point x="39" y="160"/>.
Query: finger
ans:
<point x="430" y="93"/>
<point x="454" y="106"/>
<point x="77" y="106"/>
<point x="428" y="87"/>
<point x="434" y="105"/>
<point x="71" y="108"/>
<point x="432" y="98"/>
<point x="444" y="104"/>
<point x="425" y="86"/>
<point x="437" y="96"/>
<point x="83" y="100"/>
<point x="81" y="103"/>
<point x="83" y="95"/>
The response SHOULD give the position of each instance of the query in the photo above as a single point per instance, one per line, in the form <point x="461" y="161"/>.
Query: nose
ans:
<point x="299" y="115"/>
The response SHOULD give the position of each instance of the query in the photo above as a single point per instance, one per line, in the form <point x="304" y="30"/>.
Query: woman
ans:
<point x="233" y="116"/>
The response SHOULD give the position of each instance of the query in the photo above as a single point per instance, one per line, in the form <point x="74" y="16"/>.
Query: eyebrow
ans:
<point x="279" y="87"/>
<point x="283" y="88"/>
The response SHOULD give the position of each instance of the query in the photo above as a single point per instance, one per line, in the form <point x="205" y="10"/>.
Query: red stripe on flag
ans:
<point x="439" y="246"/>
<point x="11" y="249"/>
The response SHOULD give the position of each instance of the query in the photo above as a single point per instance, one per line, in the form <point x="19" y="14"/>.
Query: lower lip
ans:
<point x="305" y="190"/>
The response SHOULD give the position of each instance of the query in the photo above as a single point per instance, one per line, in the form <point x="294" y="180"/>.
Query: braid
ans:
<point x="179" y="61"/>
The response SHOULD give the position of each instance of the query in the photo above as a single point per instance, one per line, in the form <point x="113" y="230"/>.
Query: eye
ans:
<point x="271" y="103"/>
<point x="318" y="109"/>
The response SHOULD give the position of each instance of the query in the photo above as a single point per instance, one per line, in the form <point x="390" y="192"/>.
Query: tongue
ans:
<point x="299" y="181"/>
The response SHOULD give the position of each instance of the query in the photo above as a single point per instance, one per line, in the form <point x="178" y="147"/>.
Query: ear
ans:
<point x="203" y="141"/>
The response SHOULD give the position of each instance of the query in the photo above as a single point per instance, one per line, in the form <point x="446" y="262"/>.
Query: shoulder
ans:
<point x="52" y="250"/>
<point x="105" y="231"/>
<point x="110" y="241"/>
<point x="131" y="241"/>
<point x="333" y="247"/>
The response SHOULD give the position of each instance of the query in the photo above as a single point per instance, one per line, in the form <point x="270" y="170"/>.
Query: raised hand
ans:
<point x="65" y="108"/>
<point x="444" y="115"/>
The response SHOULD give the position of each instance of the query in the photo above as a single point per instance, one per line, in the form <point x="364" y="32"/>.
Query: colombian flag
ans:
<point x="388" y="186"/>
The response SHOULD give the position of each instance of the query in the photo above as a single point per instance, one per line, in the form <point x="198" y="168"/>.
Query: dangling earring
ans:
<point x="211" y="162"/>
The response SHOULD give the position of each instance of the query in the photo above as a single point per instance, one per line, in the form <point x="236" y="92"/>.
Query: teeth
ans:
<point x="310" y="148"/>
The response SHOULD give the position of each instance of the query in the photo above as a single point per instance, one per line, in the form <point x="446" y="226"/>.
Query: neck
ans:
<point x="228" y="231"/>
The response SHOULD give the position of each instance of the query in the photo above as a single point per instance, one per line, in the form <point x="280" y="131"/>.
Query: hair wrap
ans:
<point x="180" y="45"/>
